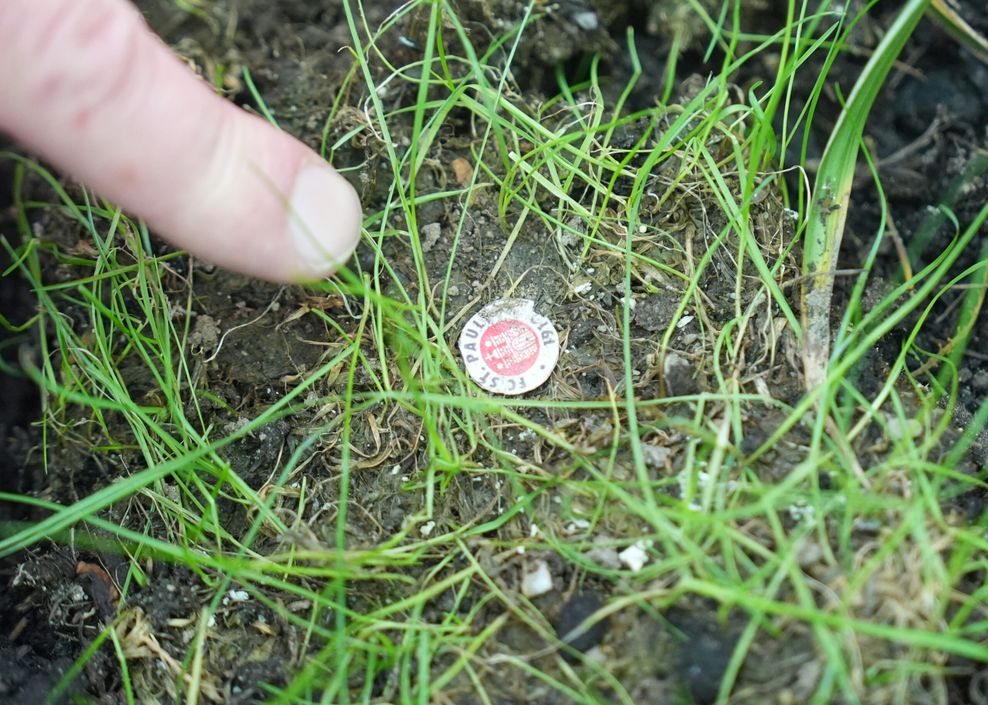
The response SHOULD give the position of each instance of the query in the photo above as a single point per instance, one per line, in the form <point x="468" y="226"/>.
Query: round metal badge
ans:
<point x="508" y="348"/>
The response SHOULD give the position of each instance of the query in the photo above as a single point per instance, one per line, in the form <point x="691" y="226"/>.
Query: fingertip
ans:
<point x="324" y="219"/>
<point x="103" y="99"/>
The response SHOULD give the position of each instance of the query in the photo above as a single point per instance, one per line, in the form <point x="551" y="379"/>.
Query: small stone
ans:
<point x="704" y="653"/>
<point x="236" y="596"/>
<point x="462" y="171"/>
<point x="537" y="579"/>
<point x="634" y="557"/>
<point x="582" y="287"/>
<point x="678" y="376"/>
<point x="587" y="20"/>
<point x="655" y="456"/>
<point x="576" y="610"/>
<point x="604" y="556"/>
<point x="430" y="235"/>
<point x="980" y="379"/>
<point x="576" y="526"/>
<point x="808" y="553"/>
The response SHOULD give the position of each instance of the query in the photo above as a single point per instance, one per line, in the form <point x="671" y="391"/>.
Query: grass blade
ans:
<point x="832" y="191"/>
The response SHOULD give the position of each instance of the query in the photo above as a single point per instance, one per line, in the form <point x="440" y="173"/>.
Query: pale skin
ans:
<point x="89" y="88"/>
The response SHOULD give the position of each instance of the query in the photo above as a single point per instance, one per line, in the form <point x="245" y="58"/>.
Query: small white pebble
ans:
<point x="634" y="557"/>
<point x="684" y="321"/>
<point x="537" y="579"/>
<point x="577" y="525"/>
<point x="427" y="528"/>
<point x="238" y="595"/>
<point x="586" y="20"/>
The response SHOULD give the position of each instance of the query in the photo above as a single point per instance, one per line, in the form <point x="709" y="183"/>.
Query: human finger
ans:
<point x="90" y="88"/>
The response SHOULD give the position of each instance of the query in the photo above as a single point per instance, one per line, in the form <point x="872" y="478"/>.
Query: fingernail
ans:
<point x="324" y="220"/>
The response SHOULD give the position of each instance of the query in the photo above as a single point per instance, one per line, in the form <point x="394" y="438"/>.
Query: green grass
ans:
<point x="892" y="602"/>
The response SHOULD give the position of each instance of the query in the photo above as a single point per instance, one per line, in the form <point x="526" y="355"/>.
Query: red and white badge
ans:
<point x="508" y="348"/>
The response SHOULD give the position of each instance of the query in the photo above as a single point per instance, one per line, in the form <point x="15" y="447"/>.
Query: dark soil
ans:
<point x="927" y="129"/>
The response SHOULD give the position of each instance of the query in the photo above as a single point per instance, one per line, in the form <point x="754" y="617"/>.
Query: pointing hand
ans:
<point x="90" y="88"/>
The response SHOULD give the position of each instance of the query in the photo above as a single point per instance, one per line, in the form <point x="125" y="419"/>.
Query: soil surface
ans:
<point x="928" y="128"/>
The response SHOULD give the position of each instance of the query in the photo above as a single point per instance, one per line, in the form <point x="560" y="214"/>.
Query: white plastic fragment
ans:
<point x="537" y="579"/>
<point x="634" y="557"/>
<point x="508" y="348"/>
